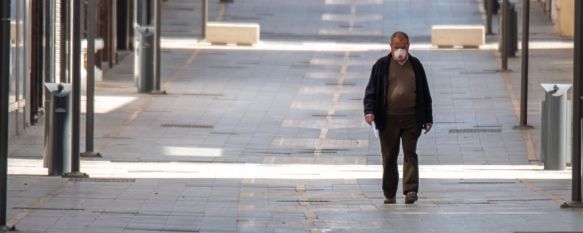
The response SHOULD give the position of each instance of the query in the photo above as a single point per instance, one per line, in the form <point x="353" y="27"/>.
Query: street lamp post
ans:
<point x="577" y="114"/>
<point x="90" y="112"/>
<point x="76" y="98"/>
<point x="4" y="98"/>
<point x="524" y="73"/>
<point x="158" y="25"/>
<point x="504" y="35"/>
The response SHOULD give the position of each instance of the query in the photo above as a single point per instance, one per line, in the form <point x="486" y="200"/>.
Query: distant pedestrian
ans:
<point x="397" y="100"/>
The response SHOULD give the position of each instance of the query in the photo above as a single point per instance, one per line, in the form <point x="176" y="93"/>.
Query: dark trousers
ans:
<point x="400" y="127"/>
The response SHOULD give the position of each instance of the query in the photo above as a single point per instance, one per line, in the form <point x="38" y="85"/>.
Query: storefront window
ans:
<point x="18" y="54"/>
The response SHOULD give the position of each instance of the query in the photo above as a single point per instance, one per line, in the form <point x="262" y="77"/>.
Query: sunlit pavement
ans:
<point x="190" y="170"/>
<point x="270" y="137"/>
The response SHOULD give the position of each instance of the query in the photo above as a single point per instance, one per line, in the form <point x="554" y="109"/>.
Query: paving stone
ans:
<point x="275" y="110"/>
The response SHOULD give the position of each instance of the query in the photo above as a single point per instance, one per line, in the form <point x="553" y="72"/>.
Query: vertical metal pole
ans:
<point x="204" y="18"/>
<point x="90" y="115"/>
<point x="76" y="81"/>
<point x="524" y="73"/>
<point x="62" y="40"/>
<point x="112" y="32"/>
<point x="489" y="9"/>
<point x="135" y="25"/>
<point x="68" y="71"/>
<point x="504" y="35"/>
<point x="158" y="24"/>
<point x="26" y="68"/>
<point x="577" y="88"/>
<point x="49" y="65"/>
<point x="16" y="68"/>
<point x="76" y="84"/>
<point x="4" y="96"/>
<point x="49" y="43"/>
<point x="36" y="62"/>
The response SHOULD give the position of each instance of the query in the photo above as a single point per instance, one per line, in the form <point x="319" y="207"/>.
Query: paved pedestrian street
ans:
<point x="271" y="137"/>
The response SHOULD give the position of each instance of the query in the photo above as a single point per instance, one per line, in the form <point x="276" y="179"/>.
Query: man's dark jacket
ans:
<point x="375" y="96"/>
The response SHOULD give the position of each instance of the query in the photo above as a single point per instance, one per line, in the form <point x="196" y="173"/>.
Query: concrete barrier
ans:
<point x="232" y="33"/>
<point x="468" y="36"/>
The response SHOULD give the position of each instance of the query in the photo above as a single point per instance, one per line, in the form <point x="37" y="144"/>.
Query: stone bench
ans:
<point x="232" y="33"/>
<point x="468" y="36"/>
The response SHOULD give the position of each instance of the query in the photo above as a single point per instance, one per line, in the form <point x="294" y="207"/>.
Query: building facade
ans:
<point x="563" y="15"/>
<point x="40" y="49"/>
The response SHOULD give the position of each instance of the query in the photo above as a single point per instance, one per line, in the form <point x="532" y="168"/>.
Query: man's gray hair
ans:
<point x="401" y="35"/>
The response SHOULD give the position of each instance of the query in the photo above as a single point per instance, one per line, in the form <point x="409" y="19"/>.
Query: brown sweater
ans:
<point x="401" y="94"/>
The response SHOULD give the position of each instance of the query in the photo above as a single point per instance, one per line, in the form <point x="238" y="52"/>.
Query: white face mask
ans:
<point x="399" y="54"/>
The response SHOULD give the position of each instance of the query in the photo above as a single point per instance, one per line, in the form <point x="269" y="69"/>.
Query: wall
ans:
<point x="564" y="11"/>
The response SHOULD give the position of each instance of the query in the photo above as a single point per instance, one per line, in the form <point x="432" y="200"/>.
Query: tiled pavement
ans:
<point x="550" y="62"/>
<point x="270" y="138"/>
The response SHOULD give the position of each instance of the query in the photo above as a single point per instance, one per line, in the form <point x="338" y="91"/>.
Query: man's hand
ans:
<point x="369" y="118"/>
<point x="427" y="127"/>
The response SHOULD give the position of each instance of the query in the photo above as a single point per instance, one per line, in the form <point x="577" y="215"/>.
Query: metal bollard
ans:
<point x="495" y="6"/>
<point x="512" y="31"/>
<point x="513" y="34"/>
<point x="489" y="14"/>
<point x="57" y="157"/>
<point x="145" y="80"/>
<point x="554" y="126"/>
<point x="491" y="7"/>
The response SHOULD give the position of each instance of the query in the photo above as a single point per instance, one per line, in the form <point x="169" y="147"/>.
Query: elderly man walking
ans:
<point x="397" y="100"/>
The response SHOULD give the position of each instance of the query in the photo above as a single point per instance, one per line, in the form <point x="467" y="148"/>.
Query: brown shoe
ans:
<point x="390" y="200"/>
<point x="411" y="198"/>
